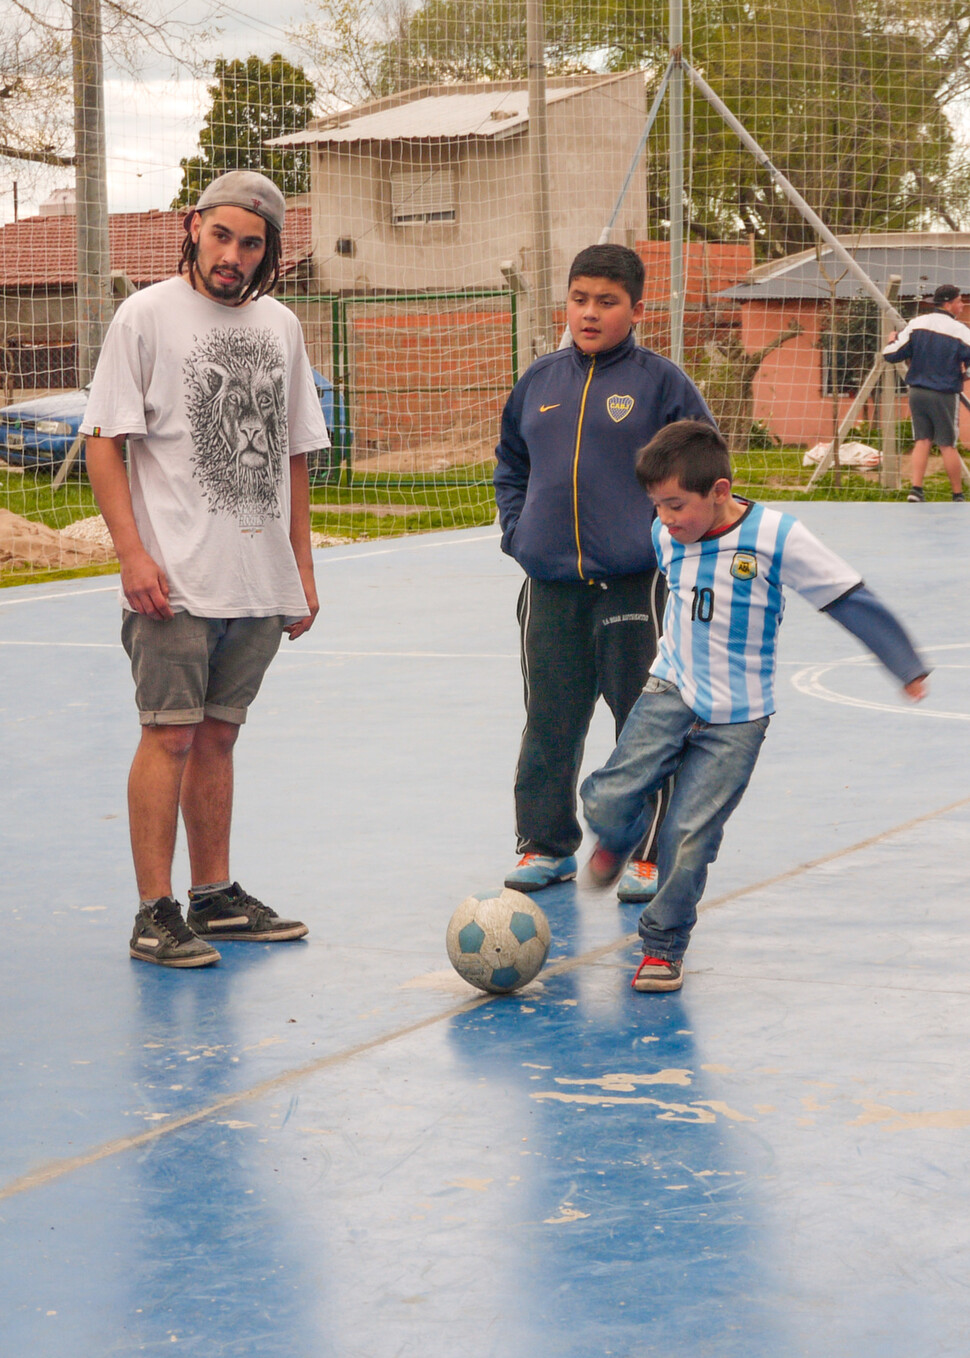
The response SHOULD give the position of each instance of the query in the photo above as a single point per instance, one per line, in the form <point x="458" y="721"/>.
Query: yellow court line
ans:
<point x="57" y="1169"/>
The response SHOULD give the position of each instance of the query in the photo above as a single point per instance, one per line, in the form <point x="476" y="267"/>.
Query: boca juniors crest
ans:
<point x="619" y="407"/>
<point x="744" y="565"/>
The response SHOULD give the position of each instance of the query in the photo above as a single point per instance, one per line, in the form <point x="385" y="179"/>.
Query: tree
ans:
<point x="358" y="48"/>
<point x="36" y="105"/>
<point x="370" y="48"/>
<point x="252" y="102"/>
<point x="727" y="382"/>
<point x="849" y="100"/>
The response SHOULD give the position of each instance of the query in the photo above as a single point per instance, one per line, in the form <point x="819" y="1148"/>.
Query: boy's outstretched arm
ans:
<point x="868" y="618"/>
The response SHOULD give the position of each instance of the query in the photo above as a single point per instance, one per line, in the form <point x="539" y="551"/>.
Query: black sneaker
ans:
<point x="161" y="936"/>
<point x="236" y="915"/>
<point x="916" y="496"/>
<point x="658" y="973"/>
<point x="958" y="496"/>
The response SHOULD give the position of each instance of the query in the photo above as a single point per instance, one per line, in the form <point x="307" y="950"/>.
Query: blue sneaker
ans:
<point x="639" y="881"/>
<point x="537" y="870"/>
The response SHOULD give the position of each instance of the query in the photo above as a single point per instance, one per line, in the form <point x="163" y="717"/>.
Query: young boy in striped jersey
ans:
<point x="705" y="708"/>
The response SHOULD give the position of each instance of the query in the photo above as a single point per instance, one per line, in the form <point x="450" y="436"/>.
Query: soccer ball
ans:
<point x="498" y="943"/>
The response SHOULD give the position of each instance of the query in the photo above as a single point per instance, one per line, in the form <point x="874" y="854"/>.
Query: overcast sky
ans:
<point x="151" y="122"/>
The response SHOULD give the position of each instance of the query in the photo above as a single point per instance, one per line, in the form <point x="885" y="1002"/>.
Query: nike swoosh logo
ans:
<point x="543" y="409"/>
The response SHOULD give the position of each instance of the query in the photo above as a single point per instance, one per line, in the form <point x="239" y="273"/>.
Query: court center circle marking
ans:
<point x="808" y="680"/>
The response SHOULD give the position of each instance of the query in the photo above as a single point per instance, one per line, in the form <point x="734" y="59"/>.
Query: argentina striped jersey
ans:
<point x="725" y="605"/>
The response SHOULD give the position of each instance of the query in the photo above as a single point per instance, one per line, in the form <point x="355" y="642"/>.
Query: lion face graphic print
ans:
<point x="236" y="404"/>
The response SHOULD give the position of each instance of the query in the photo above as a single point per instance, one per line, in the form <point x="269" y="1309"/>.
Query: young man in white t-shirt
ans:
<point x="705" y="707"/>
<point x="206" y="379"/>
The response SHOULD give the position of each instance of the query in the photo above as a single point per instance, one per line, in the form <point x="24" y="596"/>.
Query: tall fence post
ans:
<point x="543" y="338"/>
<point x="676" y="114"/>
<point x="94" y="301"/>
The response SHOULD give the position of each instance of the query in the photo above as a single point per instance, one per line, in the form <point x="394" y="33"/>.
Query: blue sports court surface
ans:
<point x="336" y="1149"/>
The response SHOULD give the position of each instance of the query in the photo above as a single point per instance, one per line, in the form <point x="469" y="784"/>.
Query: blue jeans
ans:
<point x="711" y="767"/>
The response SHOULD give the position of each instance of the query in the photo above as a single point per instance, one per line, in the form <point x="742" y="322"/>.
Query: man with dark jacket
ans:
<point x="937" y="348"/>
<point x="574" y="517"/>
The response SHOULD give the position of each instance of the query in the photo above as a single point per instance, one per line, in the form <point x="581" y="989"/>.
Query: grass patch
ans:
<point x="33" y="576"/>
<point x="778" y="474"/>
<point x="460" y="498"/>
<point x="31" y="495"/>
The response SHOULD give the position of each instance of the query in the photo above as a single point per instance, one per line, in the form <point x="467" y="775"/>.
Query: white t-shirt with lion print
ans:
<point x="213" y="400"/>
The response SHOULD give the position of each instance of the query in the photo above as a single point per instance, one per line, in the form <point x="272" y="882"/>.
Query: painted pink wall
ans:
<point x="788" y="387"/>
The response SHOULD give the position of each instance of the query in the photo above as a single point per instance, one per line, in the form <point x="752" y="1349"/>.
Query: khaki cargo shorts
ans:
<point x="186" y="668"/>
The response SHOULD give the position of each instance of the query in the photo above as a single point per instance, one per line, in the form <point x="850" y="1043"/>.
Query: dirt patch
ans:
<point x="23" y="544"/>
<point x="395" y="511"/>
<point x="456" y="451"/>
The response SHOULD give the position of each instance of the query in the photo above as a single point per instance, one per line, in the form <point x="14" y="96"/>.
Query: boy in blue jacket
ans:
<point x="575" y="518"/>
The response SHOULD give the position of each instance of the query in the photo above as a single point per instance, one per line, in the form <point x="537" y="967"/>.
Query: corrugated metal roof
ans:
<point x="489" y="111"/>
<point x="921" y="265"/>
<point x="42" y="251"/>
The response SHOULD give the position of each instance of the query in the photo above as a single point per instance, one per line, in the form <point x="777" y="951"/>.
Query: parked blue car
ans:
<point x="40" y="433"/>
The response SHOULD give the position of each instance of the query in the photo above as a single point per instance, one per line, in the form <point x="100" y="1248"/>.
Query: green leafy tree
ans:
<point x="849" y="98"/>
<point x="252" y="102"/>
<point x="457" y="40"/>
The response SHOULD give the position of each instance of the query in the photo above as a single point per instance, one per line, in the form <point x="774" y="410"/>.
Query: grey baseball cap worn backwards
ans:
<point x="246" y="189"/>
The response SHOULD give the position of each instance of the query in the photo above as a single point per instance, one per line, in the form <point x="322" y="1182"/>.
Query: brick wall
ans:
<point x="420" y="377"/>
<point x="424" y="374"/>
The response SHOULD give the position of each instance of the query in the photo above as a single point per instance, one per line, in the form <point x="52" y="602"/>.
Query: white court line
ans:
<point x="404" y="655"/>
<point x="326" y="557"/>
<point x="809" y="682"/>
<point x="65" y="594"/>
<point x="321" y="556"/>
<point x="83" y="645"/>
<point x="300" y="653"/>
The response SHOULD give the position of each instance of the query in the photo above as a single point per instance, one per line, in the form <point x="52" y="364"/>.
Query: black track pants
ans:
<point x="578" y="641"/>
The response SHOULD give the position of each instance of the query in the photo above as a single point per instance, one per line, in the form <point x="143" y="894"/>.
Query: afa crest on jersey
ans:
<point x="744" y="565"/>
<point x="619" y="407"/>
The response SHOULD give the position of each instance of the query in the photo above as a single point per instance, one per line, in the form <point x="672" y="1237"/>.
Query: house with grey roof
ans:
<point x="431" y="189"/>
<point x="840" y="331"/>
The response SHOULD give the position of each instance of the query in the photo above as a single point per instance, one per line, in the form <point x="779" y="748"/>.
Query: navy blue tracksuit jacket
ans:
<point x="569" y="502"/>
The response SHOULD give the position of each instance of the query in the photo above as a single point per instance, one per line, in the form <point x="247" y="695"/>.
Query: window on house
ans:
<point x="420" y="196"/>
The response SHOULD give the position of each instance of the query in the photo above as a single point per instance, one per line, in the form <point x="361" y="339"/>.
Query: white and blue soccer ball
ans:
<point x="498" y="943"/>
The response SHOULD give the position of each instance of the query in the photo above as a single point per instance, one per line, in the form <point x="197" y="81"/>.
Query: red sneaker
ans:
<point x="603" y="868"/>
<point x="658" y="973"/>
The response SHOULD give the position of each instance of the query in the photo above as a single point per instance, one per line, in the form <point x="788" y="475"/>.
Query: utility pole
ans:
<point x="676" y="114"/>
<point x="543" y="338"/>
<point x="94" y="306"/>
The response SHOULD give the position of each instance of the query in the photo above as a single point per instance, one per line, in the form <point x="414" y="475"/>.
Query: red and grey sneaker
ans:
<point x="658" y="973"/>
<point x="603" y="868"/>
<point x="639" y="882"/>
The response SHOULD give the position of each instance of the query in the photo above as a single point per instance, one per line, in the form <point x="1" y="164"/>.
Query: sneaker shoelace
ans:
<point x="256" y="910"/>
<point x="167" y="915"/>
<point x="642" y="868"/>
